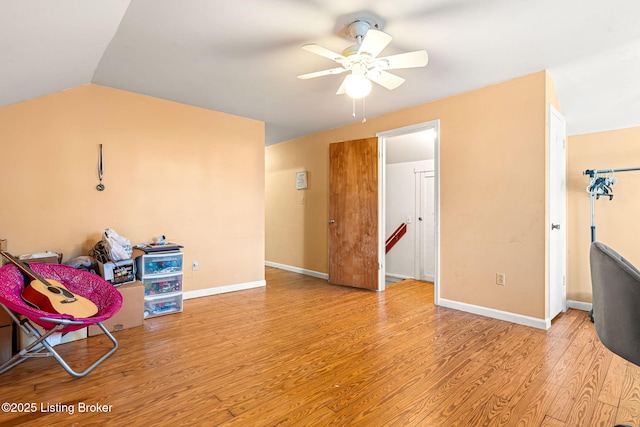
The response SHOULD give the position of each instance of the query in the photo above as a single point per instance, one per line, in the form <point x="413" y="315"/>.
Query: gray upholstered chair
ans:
<point x="616" y="302"/>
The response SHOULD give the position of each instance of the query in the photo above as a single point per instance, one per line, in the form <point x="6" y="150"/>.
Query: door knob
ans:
<point x="331" y="221"/>
<point x="419" y="218"/>
<point x="555" y="226"/>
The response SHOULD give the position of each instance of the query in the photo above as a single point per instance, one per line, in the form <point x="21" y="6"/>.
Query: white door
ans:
<point x="557" y="213"/>
<point x="425" y="239"/>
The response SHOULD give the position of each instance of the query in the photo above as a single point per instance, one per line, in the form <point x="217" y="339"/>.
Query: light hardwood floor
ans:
<point x="302" y="352"/>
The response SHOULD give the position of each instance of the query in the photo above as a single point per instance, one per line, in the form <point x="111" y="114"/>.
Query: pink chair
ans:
<point x="102" y="293"/>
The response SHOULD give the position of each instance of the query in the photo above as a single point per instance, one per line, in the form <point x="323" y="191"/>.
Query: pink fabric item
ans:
<point x="102" y="293"/>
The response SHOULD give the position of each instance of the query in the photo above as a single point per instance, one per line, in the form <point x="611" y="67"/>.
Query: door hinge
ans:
<point x="564" y="281"/>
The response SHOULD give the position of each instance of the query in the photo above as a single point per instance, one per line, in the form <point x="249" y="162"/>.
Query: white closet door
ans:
<point x="426" y="228"/>
<point x="557" y="213"/>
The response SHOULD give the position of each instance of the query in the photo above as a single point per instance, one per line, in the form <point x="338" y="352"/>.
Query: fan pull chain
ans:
<point x="364" y="113"/>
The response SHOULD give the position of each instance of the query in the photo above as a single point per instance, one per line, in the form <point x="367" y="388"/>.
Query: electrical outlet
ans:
<point x="500" y="279"/>
<point x="194" y="265"/>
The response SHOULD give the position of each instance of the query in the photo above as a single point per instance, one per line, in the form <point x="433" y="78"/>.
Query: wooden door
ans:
<point x="353" y="213"/>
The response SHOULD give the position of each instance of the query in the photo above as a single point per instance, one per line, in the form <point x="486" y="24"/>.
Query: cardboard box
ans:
<point x="5" y="320"/>
<point x="118" y="272"/>
<point x="5" y="343"/>
<point x="46" y="257"/>
<point x="130" y="315"/>
<point x="55" y="339"/>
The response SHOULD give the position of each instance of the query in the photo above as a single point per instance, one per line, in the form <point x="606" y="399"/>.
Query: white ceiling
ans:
<point x="410" y="147"/>
<point x="242" y="57"/>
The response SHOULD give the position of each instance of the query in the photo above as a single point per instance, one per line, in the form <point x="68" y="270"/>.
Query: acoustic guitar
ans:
<point x="50" y="295"/>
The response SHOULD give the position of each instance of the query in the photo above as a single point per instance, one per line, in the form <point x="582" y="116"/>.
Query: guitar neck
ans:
<point x="23" y="267"/>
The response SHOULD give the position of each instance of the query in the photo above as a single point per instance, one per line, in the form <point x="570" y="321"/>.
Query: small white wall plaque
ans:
<point x="301" y="180"/>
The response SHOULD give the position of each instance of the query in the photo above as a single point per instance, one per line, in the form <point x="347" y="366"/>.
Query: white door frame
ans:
<point x="382" y="136"/>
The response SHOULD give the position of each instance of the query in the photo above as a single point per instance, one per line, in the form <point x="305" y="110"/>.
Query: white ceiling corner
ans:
<point x="48" y="46"/>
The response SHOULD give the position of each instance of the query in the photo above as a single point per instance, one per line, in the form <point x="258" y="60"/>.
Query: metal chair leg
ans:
<point x="35" y="348"/>
<point x="91" y="367"/>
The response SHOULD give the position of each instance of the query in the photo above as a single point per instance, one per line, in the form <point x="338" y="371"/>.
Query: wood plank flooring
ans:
<point x="301" y="352"/>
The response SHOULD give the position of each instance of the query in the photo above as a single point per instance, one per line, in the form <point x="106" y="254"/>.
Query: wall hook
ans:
<point x="100" y="187"/>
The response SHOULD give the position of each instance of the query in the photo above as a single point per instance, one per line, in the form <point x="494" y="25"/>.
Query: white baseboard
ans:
<point x="398" y="276"/>
<point x="390" y="277"/>
<point x="312" y="273"/>
<point x="579" y="305"/>
<point x="497" y="314"/>
<point x="223" y="289"/>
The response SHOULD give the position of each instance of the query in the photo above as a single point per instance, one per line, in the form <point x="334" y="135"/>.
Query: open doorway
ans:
<point x="409" y="203"/>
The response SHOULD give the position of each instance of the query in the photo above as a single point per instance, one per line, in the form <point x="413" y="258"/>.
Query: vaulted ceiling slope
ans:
<point x="242" y="57"/>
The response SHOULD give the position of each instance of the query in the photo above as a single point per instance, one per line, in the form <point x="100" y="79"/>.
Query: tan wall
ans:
<point x="191" y="174"/>
<point x="296" y="232"/>
<point x="493" y="193"/>
<point x="616" y="221"/>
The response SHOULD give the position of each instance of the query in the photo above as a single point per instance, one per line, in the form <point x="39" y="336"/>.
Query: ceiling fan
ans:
<point x="362" y="61"/>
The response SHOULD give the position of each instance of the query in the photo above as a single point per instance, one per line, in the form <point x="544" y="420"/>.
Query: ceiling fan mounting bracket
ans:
<point x="358" y="21"/>
<point x="358" y="29"/>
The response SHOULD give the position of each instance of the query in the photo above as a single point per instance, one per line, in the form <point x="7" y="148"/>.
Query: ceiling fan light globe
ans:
<point x="357" y="86"/>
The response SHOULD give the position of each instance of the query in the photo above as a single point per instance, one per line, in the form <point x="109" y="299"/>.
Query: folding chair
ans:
<point x="88" y="285"/>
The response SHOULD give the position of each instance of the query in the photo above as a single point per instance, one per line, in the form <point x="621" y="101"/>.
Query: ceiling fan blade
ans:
<point x="385" y="79"/>
<point x="374" y="42"/>
<point x="323" y="51"/>
<point x="419" y="58"/>
<point x="322" y="73"/>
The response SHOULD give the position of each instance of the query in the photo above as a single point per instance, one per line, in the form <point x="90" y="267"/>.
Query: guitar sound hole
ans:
<point x="56" y="290"/>
<point x="68" y="294"/>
